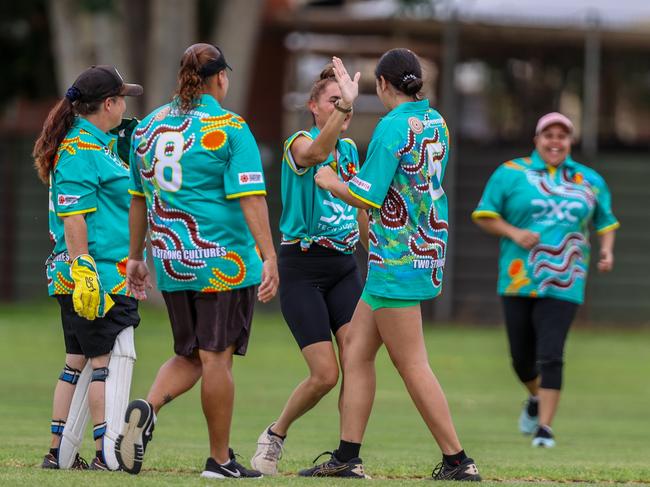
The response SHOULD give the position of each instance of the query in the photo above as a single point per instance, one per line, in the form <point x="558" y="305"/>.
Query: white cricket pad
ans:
<point x="116" y="393"/>
<point x="75" y="425"/>
<point x="118" y="388"/>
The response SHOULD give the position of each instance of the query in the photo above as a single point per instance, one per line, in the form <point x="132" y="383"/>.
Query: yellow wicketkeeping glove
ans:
<point x="89" y="299"/>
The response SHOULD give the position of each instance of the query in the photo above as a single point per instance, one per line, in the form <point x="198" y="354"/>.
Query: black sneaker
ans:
<point x="139" y="422"/>
<point x="335" y="468"/>
<point x="51" y="462"/>
<point x="98" y="464"/>
<point x="466" y="470"/>
<point x="231" y="470"/>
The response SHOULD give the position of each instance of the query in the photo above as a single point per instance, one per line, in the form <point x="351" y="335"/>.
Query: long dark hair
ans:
<point x="401" y="68"/>
<point x="57" y="124"/>
<point x="190" y="81"/>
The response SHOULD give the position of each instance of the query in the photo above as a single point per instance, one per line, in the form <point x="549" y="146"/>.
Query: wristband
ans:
<point x="340" y="108"/>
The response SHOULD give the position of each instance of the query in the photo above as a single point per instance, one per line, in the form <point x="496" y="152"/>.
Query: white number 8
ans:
<point x="166" y="159"/>
<point x="435" y="170"/>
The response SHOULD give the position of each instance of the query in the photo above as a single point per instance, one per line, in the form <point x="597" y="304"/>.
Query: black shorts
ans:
<point x="210" y="321"/>
<point x="319" y="290"/>
<point x="93" y="338"/>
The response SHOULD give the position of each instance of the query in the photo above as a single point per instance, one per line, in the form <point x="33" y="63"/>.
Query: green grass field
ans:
<point x="603" y="430"/>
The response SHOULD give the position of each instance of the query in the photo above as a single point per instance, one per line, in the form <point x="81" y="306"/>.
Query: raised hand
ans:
<point x="349" y="87"/>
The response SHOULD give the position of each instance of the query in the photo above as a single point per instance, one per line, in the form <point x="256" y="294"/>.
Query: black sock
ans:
<point x="455" y="459"/>
<point x="347" y="451"/>
<point x="99" y="454"/>
<point x="54" y="452"/>
<point x="272" y="433"/>
<point x="533" y="406"/>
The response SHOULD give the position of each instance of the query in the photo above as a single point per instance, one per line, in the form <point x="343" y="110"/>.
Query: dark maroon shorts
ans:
<point x="210" y="321"/>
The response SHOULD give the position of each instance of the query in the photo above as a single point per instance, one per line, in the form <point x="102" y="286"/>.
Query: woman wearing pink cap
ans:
<point x="541" y="206"/>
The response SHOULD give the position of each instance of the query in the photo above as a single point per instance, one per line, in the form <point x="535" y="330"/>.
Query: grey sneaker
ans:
<point x="268" y="453"/>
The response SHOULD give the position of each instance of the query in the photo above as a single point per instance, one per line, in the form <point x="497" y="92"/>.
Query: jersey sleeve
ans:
<point x="371" y="184"/>
<point x="493" y="198"/>
<point x="287" y="156"/>
<point x="75" y="185"/>
<point x="604" y="219"/>
<point x="135" y="180"/>
<point x="244" y="175"/>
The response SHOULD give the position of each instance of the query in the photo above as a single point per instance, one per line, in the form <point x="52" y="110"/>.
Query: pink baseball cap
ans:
<point x="551" y="119"/>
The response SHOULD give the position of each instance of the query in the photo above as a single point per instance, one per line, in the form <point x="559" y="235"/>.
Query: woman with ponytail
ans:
<point x="76" y="156"/>
<point x="320" y="280"/>
<point x="198" y="187"/>
<point x="401" y="185"/>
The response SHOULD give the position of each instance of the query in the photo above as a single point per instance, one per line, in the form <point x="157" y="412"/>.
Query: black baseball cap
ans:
<point x="99" y="82"/>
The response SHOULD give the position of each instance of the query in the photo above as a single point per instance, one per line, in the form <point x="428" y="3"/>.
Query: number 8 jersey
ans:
<point x="192" y="168"/>
<point x="401" y="180"/>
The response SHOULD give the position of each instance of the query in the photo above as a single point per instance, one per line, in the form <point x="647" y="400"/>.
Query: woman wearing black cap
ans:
<point x="198" y="187"/>
<point x="75" y="155"/>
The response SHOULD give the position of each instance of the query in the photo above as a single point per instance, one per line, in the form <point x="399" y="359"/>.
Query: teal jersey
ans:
<point x="311" y="214"/>
<point x="89" y="178"/>
<point x="558" y="204"/>
<point x="402" y="182"/>
<point x="192" y="168"/>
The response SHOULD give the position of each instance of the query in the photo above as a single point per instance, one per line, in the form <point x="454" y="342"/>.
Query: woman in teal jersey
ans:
<point x="198" y="190"/>
<point x="400" y="185"/>
<point x="541" y="207"/>
<point x="76" y="155"/>
<point x="320" y="283"/>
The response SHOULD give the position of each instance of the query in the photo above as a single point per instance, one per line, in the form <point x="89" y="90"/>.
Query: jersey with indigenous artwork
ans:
<point x="311" y="214"/>
<point x="558" y="204"/>
<point x="88" y="178"/>
<point x="402" y="182"/>
<point x="192" y="168"/>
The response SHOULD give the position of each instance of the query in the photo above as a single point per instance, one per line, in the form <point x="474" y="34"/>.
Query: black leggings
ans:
<point x="319" y="290"/>
<point x="537" y="329"/>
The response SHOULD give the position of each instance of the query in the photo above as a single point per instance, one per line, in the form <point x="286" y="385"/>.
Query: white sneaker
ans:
<point x="269" y="452"/>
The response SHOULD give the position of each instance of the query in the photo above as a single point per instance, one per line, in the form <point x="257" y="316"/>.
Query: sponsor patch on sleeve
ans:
<point x="250" y="178"/>
<point x="67" y="199"/>
<point x="365" y="185"/>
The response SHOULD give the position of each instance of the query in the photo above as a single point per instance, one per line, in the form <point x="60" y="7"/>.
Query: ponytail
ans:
<point x="199" y="62"/>
<point x="59" y="121"/>
<point x="190" y="84"/>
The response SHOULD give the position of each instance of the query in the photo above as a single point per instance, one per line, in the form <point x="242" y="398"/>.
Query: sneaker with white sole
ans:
<point x="352" y="469"/>
<point x="268" y="453"/>
<point x="464" y="471"/>
<point x="231" y="470"/>
<point x="528" y="422"/>
<point x="543" y="437"/>
<point x="137" y="431"/>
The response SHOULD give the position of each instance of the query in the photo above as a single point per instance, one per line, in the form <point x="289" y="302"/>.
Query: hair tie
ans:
<point x="408" y="77"/>
<point x="73" y="93"/>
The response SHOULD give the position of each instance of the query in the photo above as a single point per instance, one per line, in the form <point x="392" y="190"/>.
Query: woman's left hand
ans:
<point x="326" y="178"/>
<point x="606" y="261"/>
<point x="349" y="86"/>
